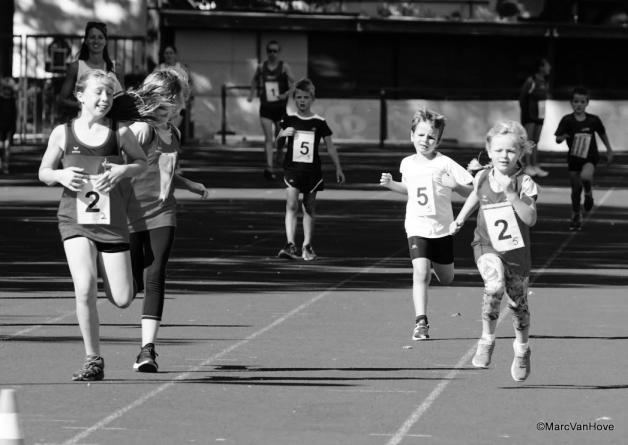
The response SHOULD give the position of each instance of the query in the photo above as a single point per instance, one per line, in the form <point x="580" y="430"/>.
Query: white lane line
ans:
<point x="436" y="392"/>
<point x="187" y="374"/>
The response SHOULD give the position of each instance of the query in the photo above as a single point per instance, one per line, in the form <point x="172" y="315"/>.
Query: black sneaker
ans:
<point x="576" y="223"/>
<point x="93" y="369"/>
<point x="588" y="202"/>
<point x="145" y="361"/>
<point x="269" y="174"/>
<point x="421" y="330"/>
<point x="289" y="252"/>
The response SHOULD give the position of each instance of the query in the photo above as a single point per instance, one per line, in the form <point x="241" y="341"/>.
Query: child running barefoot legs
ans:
<point x="428" y="178"/>
<point x="507" y="200"/>
<point x="92" y="210"/>
<point x="578" y="129"/>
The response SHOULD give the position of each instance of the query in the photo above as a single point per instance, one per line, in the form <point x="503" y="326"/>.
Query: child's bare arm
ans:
<point x="386" y="180"/>
<point x="182" y="182"/>
<point x="333" y="154"/>
<point x="470" y="206"/>
<point x="609" y="150"/>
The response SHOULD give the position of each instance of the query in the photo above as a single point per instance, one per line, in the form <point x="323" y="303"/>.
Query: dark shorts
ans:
<point x="575" y="164"/>
<point x="273" y="110"/>
<point x="105" y="247"/>
<point x="438" y="250"/>
<point x="306" y="182"/>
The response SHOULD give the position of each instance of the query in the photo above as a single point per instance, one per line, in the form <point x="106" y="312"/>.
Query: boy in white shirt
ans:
<point x="428" y="178"/>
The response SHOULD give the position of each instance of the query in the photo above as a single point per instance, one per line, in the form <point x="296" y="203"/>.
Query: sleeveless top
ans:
<point x="516" y="260"/>
<point x="152" y="203"/>
<point x="267" y="76"/>
<point x="78" y="154"/>
<point x="83" y="67"/>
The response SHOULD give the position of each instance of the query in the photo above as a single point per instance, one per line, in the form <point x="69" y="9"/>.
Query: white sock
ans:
<point x="488" y="338"/>
<point x="520" y="348"/>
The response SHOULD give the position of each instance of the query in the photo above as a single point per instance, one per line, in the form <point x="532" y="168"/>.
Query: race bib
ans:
<point x="92" y="206"/>
<point x="272" y="90"/>
<point x="581" y="143"/>
<point x="421" y="191"/>
<point x="303" y="147"/>
<point x="502" y="227"/>
<point x="541" y="109"/>
<point x="167" y="163"/>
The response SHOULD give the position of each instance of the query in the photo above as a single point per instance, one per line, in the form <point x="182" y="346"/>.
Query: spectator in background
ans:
<point x="169" y="56"/>
<point x="8" y="117"/>
<point x="273" y="82"/>
<point x="532" y="103"/>
<point x="93" y="55"/>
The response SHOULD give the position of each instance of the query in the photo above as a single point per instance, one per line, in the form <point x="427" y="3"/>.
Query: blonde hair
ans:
<point x="99" y="75"/>
<point x="435" y="119"/>
<point x="514" y="128"/>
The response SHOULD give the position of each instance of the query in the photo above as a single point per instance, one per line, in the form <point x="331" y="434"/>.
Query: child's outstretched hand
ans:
<point x="385" y="179"/>
<point x="454" y="227"/>
<point x="340" y="176"/>
<point x="446" y="181"/>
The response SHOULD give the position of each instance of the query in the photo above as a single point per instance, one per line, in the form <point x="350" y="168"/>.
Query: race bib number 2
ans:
<point x="92" y="206"/>
<point x="502" y="227"/>
<point x="303" y="147"/>
<point x="422" y="190"/>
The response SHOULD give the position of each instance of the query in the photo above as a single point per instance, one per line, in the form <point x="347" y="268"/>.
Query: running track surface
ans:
<point x="257" y="350"/>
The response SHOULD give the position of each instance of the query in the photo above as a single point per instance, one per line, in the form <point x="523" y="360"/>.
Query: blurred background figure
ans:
<point x="532" y="99"/>
<point x="170" y="59"/>
<point x="93" y="55"/>
<point x="8" y="118"/>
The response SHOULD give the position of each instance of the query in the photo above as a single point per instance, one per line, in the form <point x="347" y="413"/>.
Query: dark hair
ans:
<point x="306" y="85"/>
<point x="539" y="63"/>
<point x="581" y="91"/>
<point x="273" y="42"/>
<point x="84" y="52"/>
<point x="165" y="47"/>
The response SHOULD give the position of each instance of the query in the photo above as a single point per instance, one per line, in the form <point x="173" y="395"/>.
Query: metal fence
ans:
<point x="40" y="61"/>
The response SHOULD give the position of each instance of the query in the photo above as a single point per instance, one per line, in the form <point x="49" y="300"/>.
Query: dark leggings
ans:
<point x="150" y="250"/>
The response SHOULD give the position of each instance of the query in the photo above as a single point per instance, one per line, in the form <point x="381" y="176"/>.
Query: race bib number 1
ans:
<point x="92" y="206"/>
<point x="422" y="190"/>
<point x="303" y="147"/>
<point x="502" y="226"/>
<point x="272" y="91"/>
<point x="581" y="143"/>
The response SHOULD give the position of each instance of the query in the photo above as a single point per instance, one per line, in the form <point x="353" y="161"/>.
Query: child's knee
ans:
<point x="491" y="304"/>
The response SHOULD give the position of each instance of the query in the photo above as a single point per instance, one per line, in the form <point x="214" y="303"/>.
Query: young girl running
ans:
<point x="428" y="178"/>
<point x="152" y="205"/>
<point x="92" y="212"/>
<point x="506" y="197"/>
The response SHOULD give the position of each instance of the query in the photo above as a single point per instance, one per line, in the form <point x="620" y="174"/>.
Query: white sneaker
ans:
<point x="530" y="171"/>
<point x="483" y="354"/>
<point x="520" y="368"/>
<point x="540" y="172"/>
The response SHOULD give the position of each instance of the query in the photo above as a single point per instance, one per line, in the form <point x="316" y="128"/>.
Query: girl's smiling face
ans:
<point x="504" y="151"/>
<point x="425" y="138"/>
<point x="97" y="97"/>
<point x="96" y="40"/>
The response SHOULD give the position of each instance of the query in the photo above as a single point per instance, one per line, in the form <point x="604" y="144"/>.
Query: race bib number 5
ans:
<point x="421" y="190"/>
<point x="303" y="147"/>
<point x="581" y="143"/>
<point x="502" y="226"/>
<point x="272" y="91"/>
<point x="92" y="206"/>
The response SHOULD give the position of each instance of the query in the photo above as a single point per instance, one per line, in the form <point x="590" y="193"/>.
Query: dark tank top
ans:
<point x="91" y="158"/>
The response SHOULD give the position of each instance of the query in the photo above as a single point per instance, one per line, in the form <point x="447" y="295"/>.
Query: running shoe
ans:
<point x="421" y="331"/>
<point x="145" y="361"/>
<point x="576" y="223"/>
<point x="540" y="172"/>
<point x="308" y="253"/>
<point x="269" y="174"/>
<point x="520" y="368"/>
<point x="588" y="202"/>
<point x="483" y="353"/>
<point x="93" y="369"/>
<point x="289" y="252"/>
